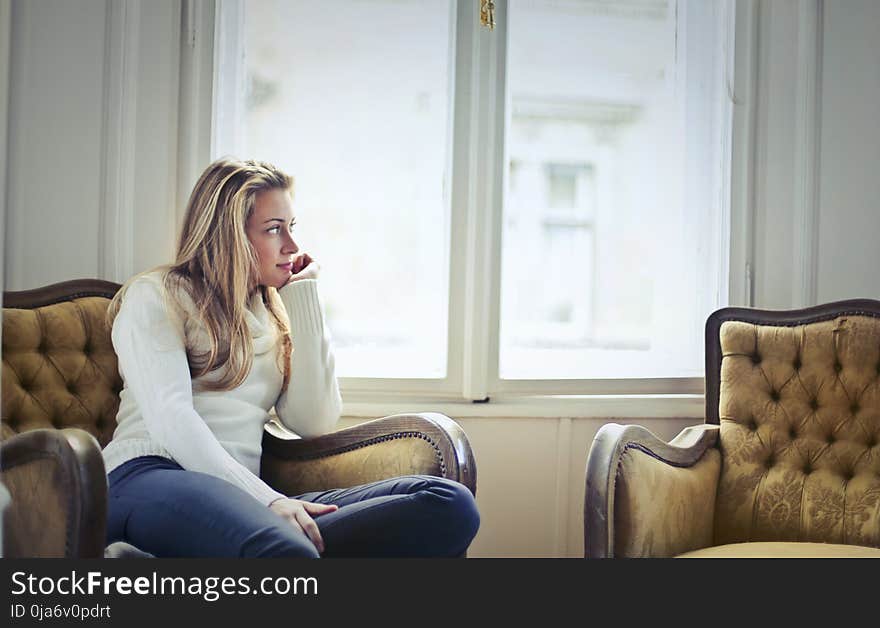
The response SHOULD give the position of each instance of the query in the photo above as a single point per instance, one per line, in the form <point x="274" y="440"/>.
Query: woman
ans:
<point x="206" y="347"/>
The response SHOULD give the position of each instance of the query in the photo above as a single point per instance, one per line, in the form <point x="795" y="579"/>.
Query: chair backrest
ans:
<point x="797" y="395"/>
<point x="59" y="368"/>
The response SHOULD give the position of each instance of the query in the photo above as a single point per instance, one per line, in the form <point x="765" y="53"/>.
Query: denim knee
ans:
<point x="278" y="542"/>
<point x="457" y="507"/>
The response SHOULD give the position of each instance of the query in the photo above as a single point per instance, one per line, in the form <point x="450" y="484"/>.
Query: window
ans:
<point x="535" y="209"/>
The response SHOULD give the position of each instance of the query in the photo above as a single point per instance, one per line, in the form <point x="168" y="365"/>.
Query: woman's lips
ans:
<point x="287" y="266"/>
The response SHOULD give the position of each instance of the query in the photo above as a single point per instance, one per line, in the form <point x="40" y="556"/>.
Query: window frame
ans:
<point x="478" y="169"/>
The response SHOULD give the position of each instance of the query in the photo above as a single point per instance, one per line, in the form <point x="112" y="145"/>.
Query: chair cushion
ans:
<point x="59" y="369"/>
<point x="800" y="432"/>
<point x="784" y="550"/>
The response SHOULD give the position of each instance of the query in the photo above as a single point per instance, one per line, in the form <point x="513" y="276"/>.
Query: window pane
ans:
<point x="353" y="98"/>
<point x="606" y="271"/>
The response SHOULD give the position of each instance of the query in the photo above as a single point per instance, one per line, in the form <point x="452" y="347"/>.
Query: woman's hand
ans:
<point x="304" y="267"/>
<point x="299" y="514"/>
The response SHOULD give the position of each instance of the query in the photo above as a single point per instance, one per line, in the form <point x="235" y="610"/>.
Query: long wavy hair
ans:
<point x="216" y="266"/>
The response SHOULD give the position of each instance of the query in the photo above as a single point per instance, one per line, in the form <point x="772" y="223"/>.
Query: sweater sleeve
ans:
<point x="149" y="343"/>
<point x="311" y="405"/>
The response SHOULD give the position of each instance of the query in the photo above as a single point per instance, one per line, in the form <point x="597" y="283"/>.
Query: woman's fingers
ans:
<point x="319" y="509"/>
<point x="300" y="261"/>
<point x="309" y="526"/>
<point x="310" y="271"/>
<point x="298" y="514"/>
<point x="291" y="518"/>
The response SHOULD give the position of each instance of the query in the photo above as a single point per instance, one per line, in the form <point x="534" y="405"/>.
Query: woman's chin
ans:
<point x="274" y="282"/>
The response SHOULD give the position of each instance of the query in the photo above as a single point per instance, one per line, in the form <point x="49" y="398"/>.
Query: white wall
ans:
<point x="67" y="113"/>
<point x="816" y="152"/>
<point x="54" y="153"/>
<point x="155" y="137"/>
<point x="849" y="185"/>
<point x="92" y="127"/>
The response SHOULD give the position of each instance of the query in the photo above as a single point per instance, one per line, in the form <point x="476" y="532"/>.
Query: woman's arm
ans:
<point x="311" y="405"/>
<point x="150" y="347"/>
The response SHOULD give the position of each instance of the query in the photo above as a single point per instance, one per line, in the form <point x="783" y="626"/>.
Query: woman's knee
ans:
<point x="456" y="504"/>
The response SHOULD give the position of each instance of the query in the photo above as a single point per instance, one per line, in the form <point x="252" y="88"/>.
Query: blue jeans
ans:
<point x="160" y="508"/>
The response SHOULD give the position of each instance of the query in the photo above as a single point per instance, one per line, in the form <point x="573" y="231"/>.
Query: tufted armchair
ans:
<point x="787" y="463"/>
<point x="60" y="396"/>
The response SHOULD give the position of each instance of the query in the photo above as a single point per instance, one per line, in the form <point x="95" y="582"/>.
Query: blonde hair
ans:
<point x="217" y="267"/>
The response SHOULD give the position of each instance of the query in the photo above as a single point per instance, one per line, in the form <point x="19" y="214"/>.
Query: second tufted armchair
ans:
<point x="60" y="396"/>
<point x="787" y="463"/>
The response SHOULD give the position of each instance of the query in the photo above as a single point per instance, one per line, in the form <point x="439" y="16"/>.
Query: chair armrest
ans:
<point x="402" y="444"/>
<point x="628" y="472"/>
<point x="58" y="486"/>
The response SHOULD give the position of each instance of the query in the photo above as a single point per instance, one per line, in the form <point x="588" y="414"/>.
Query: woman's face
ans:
<point x="270" y="231"/>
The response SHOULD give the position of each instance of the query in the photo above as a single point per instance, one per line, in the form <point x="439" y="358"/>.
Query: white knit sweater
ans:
<point x="165" y="412"/>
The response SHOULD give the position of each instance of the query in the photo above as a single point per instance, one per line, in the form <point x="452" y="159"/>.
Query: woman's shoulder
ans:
<point x="153" y="284"/>
<point x="159" y="287"/>
<point x="145" y="308"/>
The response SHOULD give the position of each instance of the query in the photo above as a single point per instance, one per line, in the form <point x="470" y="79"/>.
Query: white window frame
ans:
<point x="476" y="222"/>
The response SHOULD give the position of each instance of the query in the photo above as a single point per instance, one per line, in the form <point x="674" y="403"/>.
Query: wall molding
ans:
<point x="786" y="151"/>
<point x="808" y="120"/>
<point x="119" y="128"/>
<point x="563" y="487"/>
<point x="230" y="85"/>
<point x="742" y="77"/>
<point x="14" y="236"/>
<point x="5" y="53"/>
<point x="196" y="97"/>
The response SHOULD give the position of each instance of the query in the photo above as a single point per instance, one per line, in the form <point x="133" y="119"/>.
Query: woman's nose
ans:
<point x="290" y="246"/>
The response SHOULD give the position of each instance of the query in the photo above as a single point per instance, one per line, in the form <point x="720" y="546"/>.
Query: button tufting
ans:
<point x="792" y="434"/>
<point x="752" y="425"/>
<point x="774" y="395"/>
<point x="831" y="439"/>
<point x="797" y="363"/>
<point x="756" y="358"/>
<point x="838" y="367"/>
<point x="854" y="408"/>
<point x="807" y="470"/>
<point x="814" y="404"/>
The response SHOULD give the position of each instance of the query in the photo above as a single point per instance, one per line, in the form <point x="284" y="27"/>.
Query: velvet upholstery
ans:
<point x="60" y="395"/>
<point x="676" y="524"/>
<point x="384" y="459"/>
<point x="59" y="369"/>
<point x="795" y="399"/>
<point x="800" y="432"/>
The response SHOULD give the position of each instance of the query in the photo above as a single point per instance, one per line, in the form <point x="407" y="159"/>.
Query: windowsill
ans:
<point x="537" y="406"/>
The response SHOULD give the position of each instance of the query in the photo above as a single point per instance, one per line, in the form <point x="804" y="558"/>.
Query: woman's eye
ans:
<point x="277" y="228"/>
